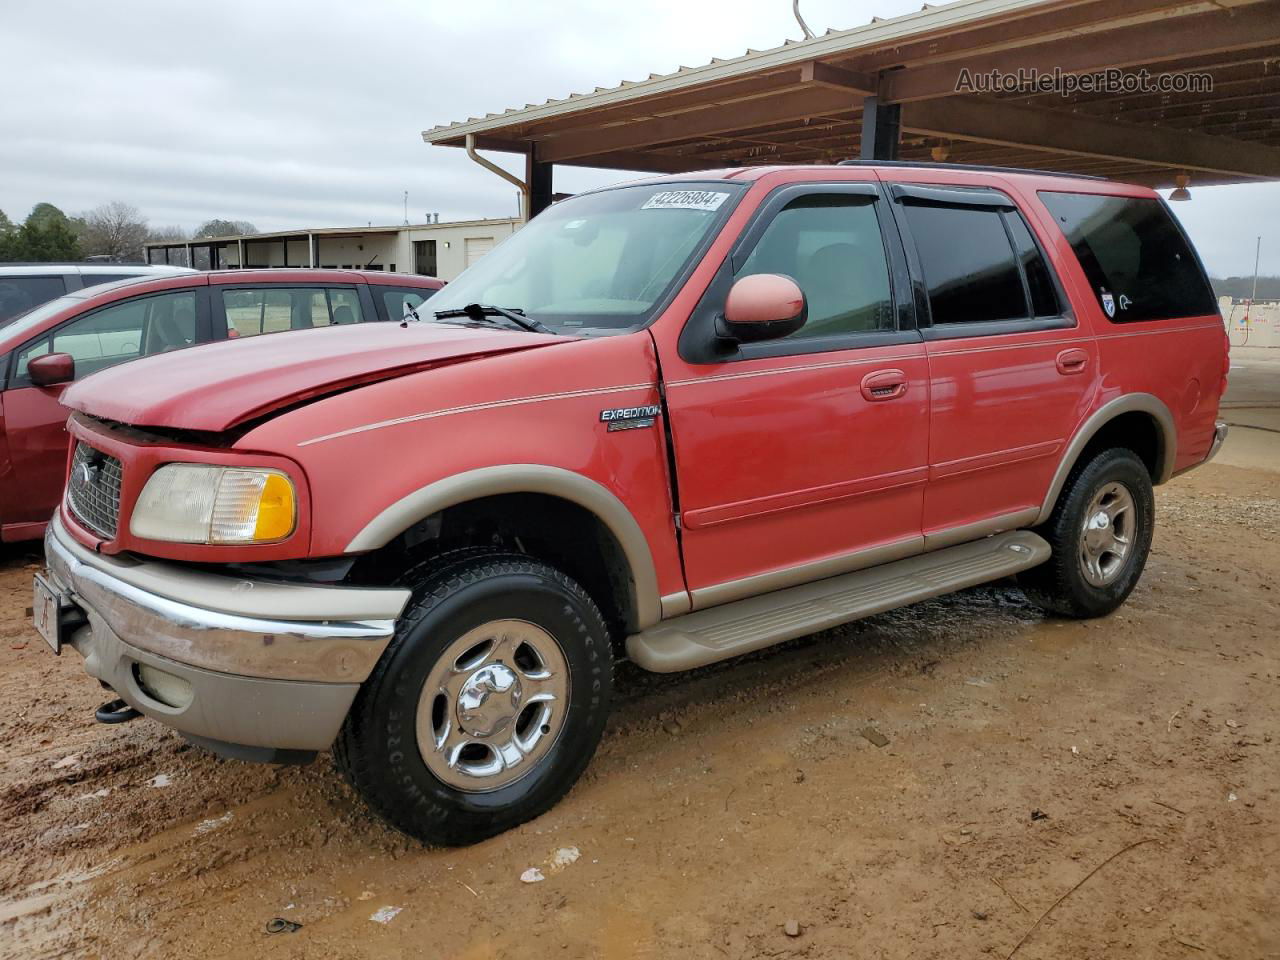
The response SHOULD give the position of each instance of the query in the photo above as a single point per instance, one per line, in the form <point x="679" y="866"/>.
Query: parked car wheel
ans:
<point x="488" y="703"/>
<point x="1100" y="532"/>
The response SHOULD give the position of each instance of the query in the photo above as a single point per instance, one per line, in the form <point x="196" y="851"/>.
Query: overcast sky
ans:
<point x="296" y="114"/>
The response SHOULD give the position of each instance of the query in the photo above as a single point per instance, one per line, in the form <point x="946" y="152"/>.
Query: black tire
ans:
<point x="377" y="749"/>
<point x="1060" y="585"/>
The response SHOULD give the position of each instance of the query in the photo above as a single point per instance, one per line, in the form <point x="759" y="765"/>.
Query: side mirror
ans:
<point x="764" y="306"/>
<point x="51" y="369"/>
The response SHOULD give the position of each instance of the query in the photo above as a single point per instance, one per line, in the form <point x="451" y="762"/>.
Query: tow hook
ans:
<point x="115" y="711"/>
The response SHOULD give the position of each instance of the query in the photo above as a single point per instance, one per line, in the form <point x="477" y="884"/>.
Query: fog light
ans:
<point x="170" y="690"/>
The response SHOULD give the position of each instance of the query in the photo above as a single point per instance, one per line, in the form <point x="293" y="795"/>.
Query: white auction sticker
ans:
<point x="708" y="200"/>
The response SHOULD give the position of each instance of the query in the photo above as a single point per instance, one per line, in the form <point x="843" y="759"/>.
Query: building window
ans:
<point x="424" y="257"/>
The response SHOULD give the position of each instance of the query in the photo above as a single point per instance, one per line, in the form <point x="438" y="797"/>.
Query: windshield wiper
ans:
<point x="480" y="312"/>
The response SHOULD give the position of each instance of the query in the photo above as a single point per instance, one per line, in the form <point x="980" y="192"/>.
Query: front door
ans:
<point x="803" y="457"/>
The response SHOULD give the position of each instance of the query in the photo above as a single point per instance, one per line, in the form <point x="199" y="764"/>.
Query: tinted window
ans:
<point x="1138" y="262"/>
<point x="1044" y="295"/>
<point x="93" y="279"/>
<point x="121" y="332"/>
<point x="968" y="264"/>
<point x="832" y="247"/>
<point x="400" y="299"/>
<point x="19" y="294"/>
<point x="274" y="309"/>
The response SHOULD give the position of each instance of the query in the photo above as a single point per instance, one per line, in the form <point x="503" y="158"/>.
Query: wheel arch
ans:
<point x="536" y="479"/>
<point x="1133" y="411"/>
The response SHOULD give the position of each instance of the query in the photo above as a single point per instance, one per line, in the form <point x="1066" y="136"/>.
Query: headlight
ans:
<point x="199" y="503"/>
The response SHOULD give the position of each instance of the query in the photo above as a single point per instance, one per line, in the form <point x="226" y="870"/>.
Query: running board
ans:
<point x="706" y="636"/>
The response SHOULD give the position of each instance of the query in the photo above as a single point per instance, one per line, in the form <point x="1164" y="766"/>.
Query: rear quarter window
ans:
<point x="1139" y="263"/>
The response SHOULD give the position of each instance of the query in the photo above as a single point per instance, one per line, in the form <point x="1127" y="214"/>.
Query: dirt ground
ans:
<point x="1120" y="775"/>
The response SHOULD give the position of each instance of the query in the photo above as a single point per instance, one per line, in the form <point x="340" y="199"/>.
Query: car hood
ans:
<point x="220" y="386"/>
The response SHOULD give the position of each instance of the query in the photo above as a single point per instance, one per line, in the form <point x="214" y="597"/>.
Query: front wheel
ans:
<point x="1100" y="532"/>
<point x="486" y="706"/>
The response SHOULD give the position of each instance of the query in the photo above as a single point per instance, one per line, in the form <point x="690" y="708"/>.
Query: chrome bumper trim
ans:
<point x="1219" y="438"/>
<point x="288" y="648"/>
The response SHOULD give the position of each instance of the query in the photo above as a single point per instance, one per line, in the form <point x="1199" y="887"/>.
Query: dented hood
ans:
<point x="218" y="386"/>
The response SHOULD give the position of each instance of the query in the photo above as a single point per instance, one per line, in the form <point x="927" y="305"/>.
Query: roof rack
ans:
<point x="979" y="168"/>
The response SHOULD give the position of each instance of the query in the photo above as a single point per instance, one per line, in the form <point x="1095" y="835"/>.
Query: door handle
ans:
<point x="1072" y="361"/>
<point x="884" y="385"/>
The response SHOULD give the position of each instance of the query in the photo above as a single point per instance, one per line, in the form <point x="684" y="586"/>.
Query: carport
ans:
<point x="975" y="81"/>
<point x="211" y="252"/>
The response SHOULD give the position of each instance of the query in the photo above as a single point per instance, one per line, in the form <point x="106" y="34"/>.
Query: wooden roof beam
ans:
<point x="993" y="121"/>
<point x="837" y="78"/>
<point x="1249" y="27"/>
<point x="1191" y="109"/>
<point x="1035" y="26"/>
<point x="782" y="108"/>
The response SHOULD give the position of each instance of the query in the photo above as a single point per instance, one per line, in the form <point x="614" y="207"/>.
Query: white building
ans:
<point x="441" y="250"/>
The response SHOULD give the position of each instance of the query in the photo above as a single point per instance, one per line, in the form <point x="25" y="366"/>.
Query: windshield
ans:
<point x="598" y="263"/>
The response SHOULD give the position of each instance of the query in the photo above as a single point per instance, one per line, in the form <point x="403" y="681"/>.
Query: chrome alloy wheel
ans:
<point x="1108" y="535"/>
<point x="493" y="705"/>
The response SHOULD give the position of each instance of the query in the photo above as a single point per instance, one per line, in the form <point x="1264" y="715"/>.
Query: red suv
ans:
<point x="100" y="326"/>
<point x="676" y="420"/>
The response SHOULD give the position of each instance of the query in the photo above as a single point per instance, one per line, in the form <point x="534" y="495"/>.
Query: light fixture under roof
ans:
<point x="1181" y="192"/>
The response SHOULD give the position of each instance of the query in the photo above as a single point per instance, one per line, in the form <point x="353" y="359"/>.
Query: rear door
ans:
<point x="796" y="460"/>
<point x="35" y="421"/>
<point x="1011" y="372"/>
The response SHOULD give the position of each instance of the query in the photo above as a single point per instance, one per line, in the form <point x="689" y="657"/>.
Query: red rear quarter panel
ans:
<point x="1180" y="362"/>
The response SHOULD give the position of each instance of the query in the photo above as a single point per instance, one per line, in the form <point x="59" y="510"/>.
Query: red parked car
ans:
<point x="100" y="326"/>
<point x="676" y="420"/>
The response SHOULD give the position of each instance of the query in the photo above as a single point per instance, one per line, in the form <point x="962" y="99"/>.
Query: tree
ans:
<point x="46" y="235"/>
<point x="173" y="234"/>
<point x="224" y="228"/>
<point x="115" y="230"/>
<point x="7" y="232"/>
<point x="42" y="214"/>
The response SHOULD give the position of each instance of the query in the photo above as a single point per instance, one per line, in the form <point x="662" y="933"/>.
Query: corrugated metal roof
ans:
<point x="878" y="33"/>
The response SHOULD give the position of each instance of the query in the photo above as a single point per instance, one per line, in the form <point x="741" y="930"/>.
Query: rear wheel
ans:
<point x="1100" y="532"/>
<point x="488" y="703"/>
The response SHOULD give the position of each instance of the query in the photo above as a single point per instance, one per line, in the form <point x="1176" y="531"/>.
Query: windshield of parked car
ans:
<point x="597" y="263"/>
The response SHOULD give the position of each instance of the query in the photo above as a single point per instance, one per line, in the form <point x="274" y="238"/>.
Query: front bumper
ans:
<point x="270" y="665"/>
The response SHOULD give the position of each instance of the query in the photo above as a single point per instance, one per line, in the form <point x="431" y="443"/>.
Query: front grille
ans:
<point x="93" y="490"/>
